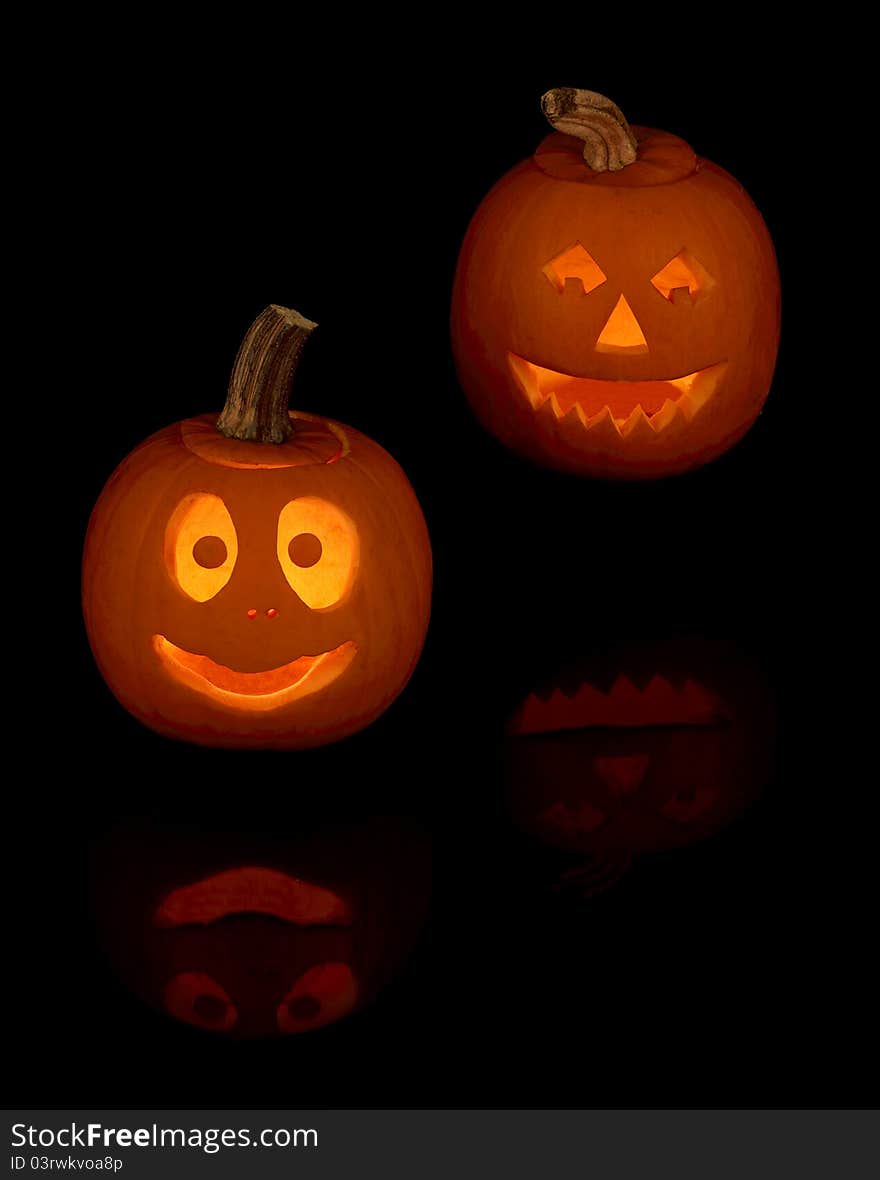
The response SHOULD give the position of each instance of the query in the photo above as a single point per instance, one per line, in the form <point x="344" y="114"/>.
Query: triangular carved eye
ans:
<point x="683" y="272"/>
<point x="575" y="263"/>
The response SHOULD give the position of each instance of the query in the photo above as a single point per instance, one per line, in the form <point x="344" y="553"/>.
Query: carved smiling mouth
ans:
<point x="615" y="407"/>
<point x="254" y="691"/>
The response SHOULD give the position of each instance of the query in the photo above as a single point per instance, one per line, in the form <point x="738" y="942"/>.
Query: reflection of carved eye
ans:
<point x="324" y="994"/>
<point x="196" y="999"/>
<point x="201" y="545"/>
<point x="575" y="263"/>
<point x="318" y="550"/>
<point x="683" y="271"/>
<point x="685" y="806"/>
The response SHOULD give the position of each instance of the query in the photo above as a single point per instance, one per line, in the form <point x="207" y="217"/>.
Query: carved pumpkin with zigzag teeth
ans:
<point x="619" y="321"/>
<point x="642" y="748"/>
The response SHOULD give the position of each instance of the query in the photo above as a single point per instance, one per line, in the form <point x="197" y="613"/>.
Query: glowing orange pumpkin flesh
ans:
<point x="261" y="690"/>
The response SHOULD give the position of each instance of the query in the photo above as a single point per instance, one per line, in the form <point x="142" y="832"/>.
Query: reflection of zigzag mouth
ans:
<point x="624" y="706"/>
<point x="625" y="406"/>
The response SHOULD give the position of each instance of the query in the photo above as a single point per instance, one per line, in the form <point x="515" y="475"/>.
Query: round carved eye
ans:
<point x="322" y="995"/>
<point x="196" y="998"/>
<point x="210" y="552"/>
<point x="318" y="550"/>
<point x="305" y="550"/>
<point x="201" y="545"/>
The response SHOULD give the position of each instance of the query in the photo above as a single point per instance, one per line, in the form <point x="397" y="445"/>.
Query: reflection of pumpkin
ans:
<point x="266" y="586"/>
<point x="648" y="749"/>
<point x="255" y="936"/>
<point x="619" y="317"/>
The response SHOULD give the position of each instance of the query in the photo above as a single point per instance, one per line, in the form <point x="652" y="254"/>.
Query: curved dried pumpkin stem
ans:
<point x="259" y="388"/>
<point x="609" y="145"/>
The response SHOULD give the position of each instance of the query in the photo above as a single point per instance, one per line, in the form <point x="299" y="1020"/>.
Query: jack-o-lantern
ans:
<point x="252" y="936"/>
<point x="647" y="748"/>
<point x="615" y="311"/>
<point x="262" y="580"/>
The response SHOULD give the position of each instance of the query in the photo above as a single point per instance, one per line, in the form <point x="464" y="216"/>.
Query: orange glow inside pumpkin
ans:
<point x="252" y="890"/>
<point x="683" y="272"/>
<point x="620" y="408"/>
<point x="622" y="332"/>
<point x="575" y="263"/>
<point x="318" y="550"/>
<point x="622" y="404"/>
<point x="256" y="691"/>
<point x="201" y="545"/>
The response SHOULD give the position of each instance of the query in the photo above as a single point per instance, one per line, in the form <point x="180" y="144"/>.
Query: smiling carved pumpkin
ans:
<point x="615" y="311"/>
<point x="259" y="580"/>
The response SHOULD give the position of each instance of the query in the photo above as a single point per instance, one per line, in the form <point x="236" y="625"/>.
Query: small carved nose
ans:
<point x="622" y="331"/>
<point x="271" y="613"/>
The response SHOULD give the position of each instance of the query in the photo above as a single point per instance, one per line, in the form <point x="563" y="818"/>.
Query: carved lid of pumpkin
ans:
<point x="314" y="440"/>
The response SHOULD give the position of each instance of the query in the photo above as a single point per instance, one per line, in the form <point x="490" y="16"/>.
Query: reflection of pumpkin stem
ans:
<point x="609" y="145"/>
<point x="259" y="388"/>
<point x="593" y="875"/>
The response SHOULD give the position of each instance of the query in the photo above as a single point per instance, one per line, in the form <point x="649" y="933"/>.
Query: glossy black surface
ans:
<point x="717" y="974"/>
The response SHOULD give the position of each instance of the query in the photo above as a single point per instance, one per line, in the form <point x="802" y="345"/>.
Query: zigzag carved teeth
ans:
<point x="603" y="429"/>
<point x="601" y="673"/>
<point x="639" y="677"/>
<point x="637" y="426"/>
<point x="548" y="411"/>
<point x="665" y="416"/>
<point x="572" y="426"/>
<point x="535" y="383"/>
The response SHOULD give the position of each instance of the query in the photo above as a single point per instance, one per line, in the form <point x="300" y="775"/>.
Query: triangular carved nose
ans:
<point x="623" y="774"/>
<point x="622" y="332"/>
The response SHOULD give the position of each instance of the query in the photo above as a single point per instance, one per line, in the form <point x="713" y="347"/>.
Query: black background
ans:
<point x="187" y="187"/>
